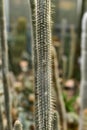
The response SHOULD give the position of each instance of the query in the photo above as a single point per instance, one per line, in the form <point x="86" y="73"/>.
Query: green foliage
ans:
<point x="69" y="105"/>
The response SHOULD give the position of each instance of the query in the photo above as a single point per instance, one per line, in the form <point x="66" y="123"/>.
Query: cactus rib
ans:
<point x="43" y="67"/>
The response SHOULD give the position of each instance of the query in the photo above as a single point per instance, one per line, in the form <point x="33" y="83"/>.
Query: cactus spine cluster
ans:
<point x="43" y="66"/>
<point x="83" y="91"/>
<point x="5" y="62"/>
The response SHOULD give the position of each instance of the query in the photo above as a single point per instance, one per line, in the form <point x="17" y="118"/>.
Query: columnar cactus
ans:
<point x="83" y="91"/>
<point x="31" y="9"/>
<point x="63" y="31"/>
<point x="42" y="66"/>
<point x="65" y="60"/>
<point x="5" y="62"/>
<point x="58" y="91"/>
<point x="72" y="52"/>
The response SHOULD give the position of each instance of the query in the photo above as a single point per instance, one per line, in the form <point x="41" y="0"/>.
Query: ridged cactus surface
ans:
<point x="42" y="65"/>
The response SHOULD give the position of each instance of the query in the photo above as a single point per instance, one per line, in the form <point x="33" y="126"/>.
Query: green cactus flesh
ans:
<point x="42" y="65"/>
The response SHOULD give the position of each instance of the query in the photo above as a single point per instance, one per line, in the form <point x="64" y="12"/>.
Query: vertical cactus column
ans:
<point x="42" y="65"/>
<point x="83" y="91"/>
<point x="5" y="62"/>
<point x="65" y="60"/>
<point x="30" y="6"/>
<point x="63" y="33"/>
<point x="72" y="52"/>
<point x="61" y="121"/>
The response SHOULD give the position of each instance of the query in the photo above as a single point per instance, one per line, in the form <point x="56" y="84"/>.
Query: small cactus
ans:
<point x="18" y="125"/>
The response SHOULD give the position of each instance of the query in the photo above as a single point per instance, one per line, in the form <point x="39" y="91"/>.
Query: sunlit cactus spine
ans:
<point x="18" y="125"/>
<point x="83" y="91"/>
<point x="72" y="52"/>
<point x="5" y="63"/>
<point x="42" y="66"/>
